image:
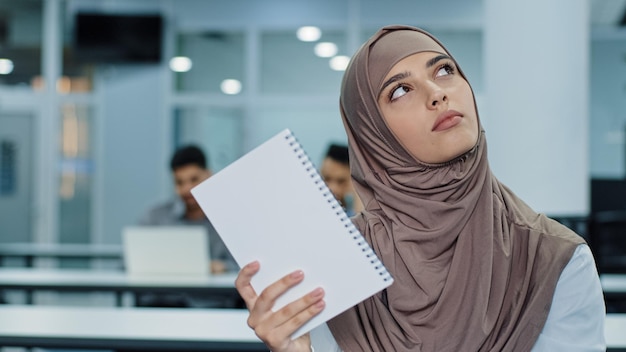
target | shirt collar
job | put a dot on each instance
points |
(179, 208)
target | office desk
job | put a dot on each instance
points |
(118, 282)
(30, 251)
(158, 329)
(152, 329)
(614, 290)
(615, 332)
(613, 282)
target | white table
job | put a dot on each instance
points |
(153, 329)
(85, 280)
(613, 282)
(615, 331)
(158, 329)
(614, 287)
(30, 251)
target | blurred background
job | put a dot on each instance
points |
(96, 94)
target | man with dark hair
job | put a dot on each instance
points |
(187, 155)
(335, 171)
(189, 167)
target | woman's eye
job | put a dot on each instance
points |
(444, 70)
(398, 92)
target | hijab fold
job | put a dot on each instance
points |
(475, 268)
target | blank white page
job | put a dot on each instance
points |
(272, 206)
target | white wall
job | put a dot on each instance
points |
(130, 156)
(537, 95)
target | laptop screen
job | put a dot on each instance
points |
(166, 250)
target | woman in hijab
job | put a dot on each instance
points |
(475, 269)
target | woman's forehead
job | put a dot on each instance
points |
(422, 59)
(394, 46)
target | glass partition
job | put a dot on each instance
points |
(213, 57)
(20, 42)
(217, 130)
(76, 167)
(315, 126)
(292, 66)
(17, 152)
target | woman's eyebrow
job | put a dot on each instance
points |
(434, 60)
(406, 74)
(394, 78)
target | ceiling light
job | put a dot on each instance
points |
(6, 66)
(230, 86)
(325, 49)
(180, 64)
(308, 33)
(339, 63)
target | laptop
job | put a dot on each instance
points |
(166, 250)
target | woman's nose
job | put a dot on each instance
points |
(436, 96)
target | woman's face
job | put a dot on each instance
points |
(429, 107)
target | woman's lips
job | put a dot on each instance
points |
(446, 120)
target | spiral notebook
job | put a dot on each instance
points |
(271, 205)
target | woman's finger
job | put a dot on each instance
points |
(266, 300)
(278, 327)
(242, 283)
(298, 312)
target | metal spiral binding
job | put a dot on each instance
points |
(343, 217)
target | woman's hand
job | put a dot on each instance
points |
(275, 328)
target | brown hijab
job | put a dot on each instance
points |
(475, 268)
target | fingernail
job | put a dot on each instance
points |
(297, 274)
(318, 292)
(320, 304)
